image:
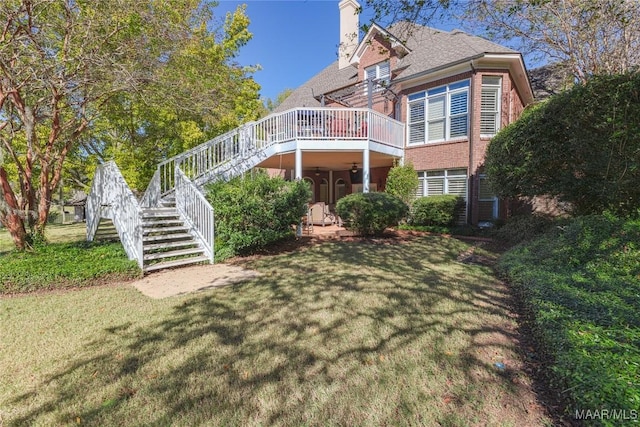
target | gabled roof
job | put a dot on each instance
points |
(428, 49)
(376, 29)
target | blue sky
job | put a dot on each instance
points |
(292, 40)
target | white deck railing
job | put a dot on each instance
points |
(336, 124)
(222, 154)
(109, 190)
(196, 210)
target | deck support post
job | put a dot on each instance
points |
(366, 173)
(298, 165)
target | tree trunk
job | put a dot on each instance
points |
(12, 219)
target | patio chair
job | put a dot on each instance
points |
(319, 214)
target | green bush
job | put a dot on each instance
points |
(255, 211)
(370, 213)
(580, 285)
(402, 182)
(580, 146)
(522, 228)
(440, 210)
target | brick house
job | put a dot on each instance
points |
(404, 93)
(450, 90)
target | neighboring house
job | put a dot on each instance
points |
(453, 91)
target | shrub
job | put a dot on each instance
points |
(580, 146)
(522, 228)
(402, 182)
(370, 213)
(440, 210)
(579, 285)
(64, 265)
(252, 212)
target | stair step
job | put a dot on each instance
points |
(162, 222)
(175, 263)
(167, 230)
(160, 237)
(160, 213)
(169, 245)
(177, 253)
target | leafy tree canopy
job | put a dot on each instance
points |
(86, 80)
(581, 146)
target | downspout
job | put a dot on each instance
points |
(470, 186)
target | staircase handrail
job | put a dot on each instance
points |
(152, 195)
(296, 123)
(110, 190)
(194, 208)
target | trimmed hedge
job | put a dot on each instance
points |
(439, 210)
(255, 211)
(580, 285)
(371, 213)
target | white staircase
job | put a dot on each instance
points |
(173, 223)
(166, 241)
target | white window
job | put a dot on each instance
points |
(379, 73)
(439, 114)
(488, 201)
(490, 105)
(449, 181)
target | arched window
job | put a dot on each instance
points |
(340, 189)
(312, 186)
(324, 191)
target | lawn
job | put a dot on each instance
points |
(55, 234)
(378, 332)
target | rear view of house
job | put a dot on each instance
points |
(406, 93)
(450, 91)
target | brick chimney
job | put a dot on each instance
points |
(349, 30)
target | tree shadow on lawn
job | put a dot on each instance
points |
(338, 333)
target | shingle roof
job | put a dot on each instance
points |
(430, 49)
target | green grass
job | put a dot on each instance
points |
(67, 261)
(581, 285)
(341, 333)
(55, 234)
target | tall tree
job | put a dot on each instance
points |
(64, 63)
(590, 36)
(273, 104)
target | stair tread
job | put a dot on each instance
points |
(162, 222)
(172, 236)
(148, 215)
(175, 253)
(168, 245)
(164, 229)
(175, 263)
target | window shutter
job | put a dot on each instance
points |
(416, 122)
(436, 107)
(384, 73)
(436, 130)
(420, 189)
(458, 187)
(435, 186)
(484, 189)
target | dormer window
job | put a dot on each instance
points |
(380, 74)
